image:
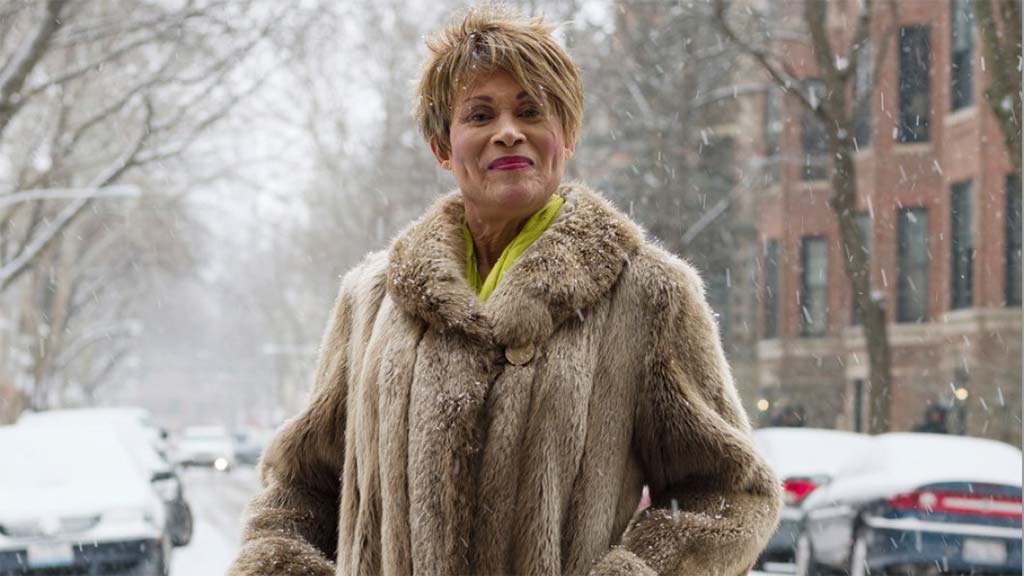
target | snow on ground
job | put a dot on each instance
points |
(217, 501)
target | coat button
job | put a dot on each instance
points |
(520, 355)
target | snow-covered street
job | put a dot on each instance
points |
(217, 501)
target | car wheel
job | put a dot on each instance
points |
(805, 563)
(859, 556)
(181, 533)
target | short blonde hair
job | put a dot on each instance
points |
(488, 39)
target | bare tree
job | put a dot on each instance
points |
(106, 99)
(837, 66)
(1000, 24)
(90, 91)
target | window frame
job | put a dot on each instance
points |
(770, 290)
(811, 292)
(865, 225)
(814, 144)
(961, 73)
(905, 285)
(1012, 228)
(914, 80)
(961, 245)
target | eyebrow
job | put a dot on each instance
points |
(488, 99)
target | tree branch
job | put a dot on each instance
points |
(22, 261)
(25, 60)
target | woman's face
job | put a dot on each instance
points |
(508, 151)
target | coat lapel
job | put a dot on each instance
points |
(572, 265)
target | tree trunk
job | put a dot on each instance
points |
(1001, 39)
(838, 112)
(858, 271)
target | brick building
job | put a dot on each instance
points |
(941, 215)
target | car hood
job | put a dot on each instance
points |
(70, 496)
(67, 472)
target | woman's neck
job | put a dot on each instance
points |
(490, 237)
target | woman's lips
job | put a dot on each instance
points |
(510, 163)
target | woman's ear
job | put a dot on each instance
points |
(443, 158)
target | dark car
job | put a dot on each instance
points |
(804, 459)
(917, 504)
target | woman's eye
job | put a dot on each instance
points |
(477, 117)
(531, 113)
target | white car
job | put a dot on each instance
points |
(917, 504)
(135, 430)
(206, 446)
(804, 459)
(73, 500)
(137, 419)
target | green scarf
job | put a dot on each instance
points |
(532, 230)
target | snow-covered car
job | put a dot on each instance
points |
(206, 446)
(804, 459)
(134, 417)
(135, 429)
(917, 504)
(73, 501)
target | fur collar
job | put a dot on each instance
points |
(568, 269)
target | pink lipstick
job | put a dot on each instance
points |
(510, 163)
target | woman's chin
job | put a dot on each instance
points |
(519, 198)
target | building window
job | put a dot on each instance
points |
(864, 226)
(961, 246)
(771, 289)
(862, 84)
(813, 140)
(915, 89)
(961, 74)
(814, 285)
(772, 132)
(858, 405)
(913, 256)
(1013, 241)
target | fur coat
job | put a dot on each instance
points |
(449, 436)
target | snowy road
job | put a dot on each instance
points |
(217, 504)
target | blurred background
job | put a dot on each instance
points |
(182, 182)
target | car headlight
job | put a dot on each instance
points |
(221, 464)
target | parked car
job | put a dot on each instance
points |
(147, 445)
(804, 459)
(139, 419)
(73, 501)
(917, 504)
(250, 444)
(206, 446)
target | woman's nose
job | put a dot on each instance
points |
(508, 132)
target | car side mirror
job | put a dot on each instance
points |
(162, 476)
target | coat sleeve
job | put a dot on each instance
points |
(714, 502)
(292, 524)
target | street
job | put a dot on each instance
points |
(218, 501)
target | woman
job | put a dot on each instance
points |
(496, 389)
